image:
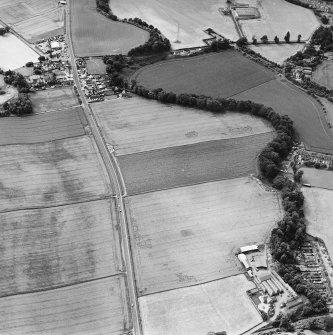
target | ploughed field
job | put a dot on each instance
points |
(230, 75)
(95, 35)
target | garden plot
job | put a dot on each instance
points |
(51, 247)
(192, 164)
(318, 212)
(215, 306)
(323, 74)
(50, 174)
(97, 307)
(52, 99)
(137, 124)
(14, 53)
(38, 128)
(95, 35)
(192, 16)
(277, 18)
(189, 235)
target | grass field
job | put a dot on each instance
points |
(307, 114)
(42, 127)
(14, 53)
(191, 164)
(97, 307)
(189, 235)
(95, 35)
(137, 124)
(50, 174)
(318, 213)
(323, 74)
(278, 17)
(46, 248)
(193, 17)
(277, 53)
(219, 74)
(56, 98)
(318, 178)
(216, 306)
(96, 66)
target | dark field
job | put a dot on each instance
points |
(191, 164)
(42, 127)
(221, 74)
(95, 35)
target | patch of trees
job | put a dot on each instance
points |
(17, 80)
(323, 36)
(103, 6)
(218, 45)
(4, 30)
(299, 3)
(19, 107)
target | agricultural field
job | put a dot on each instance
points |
(61, 246)
(219, 74)
(192, 164)
(189, 235)
(96, 66)
(277, 53)
(318, 178)
(215, 306)
(193, 18)
(42, 127)
(318, 212)
(96, 307)
(50, 174)
(138, 124)
(278, 17)
(323, 74)
(52, 99)
(14, 53)
(95, 35)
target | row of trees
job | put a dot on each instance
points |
(103, 6)
(241, 42)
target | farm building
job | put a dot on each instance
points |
(55, 45)
(260, 262)
(268, 289)
(264, 276)
(242, 258)
(249, 248)
(246, 13)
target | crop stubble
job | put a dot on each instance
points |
(188, 235)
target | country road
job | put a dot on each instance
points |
(117, 182)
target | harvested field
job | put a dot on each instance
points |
(50, 174)
(14, 53)
(189, 235)
(138, 124)
(277, 53)
(318, 178)
(323, 74)
(278, 17)
(42, 127)
(192, 164)
(193, 17)
(307, 114)
(59, 246)
(97, 307)
(219, 74)
(200, 309)
(96, 66)
(95, 35)
(318, 211)
(52, 99)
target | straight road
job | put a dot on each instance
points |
(116, 180)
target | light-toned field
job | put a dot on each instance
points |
(96, 307)
(318, 178)
(42, 127)
(323, 74)
(193, 17)
(51, 247)
(138, 124)
(277, 18)
(95, 35)
(277, 53)
(52, 99)
(318, 211)
(219, 305)
(14, 53)
(50, 174)
(96, 66)
(188, 235)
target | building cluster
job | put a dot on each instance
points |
(311, 158)
(95, 87)
(55, 47)
(301, 72)
(321, 6)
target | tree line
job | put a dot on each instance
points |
(17, 80)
